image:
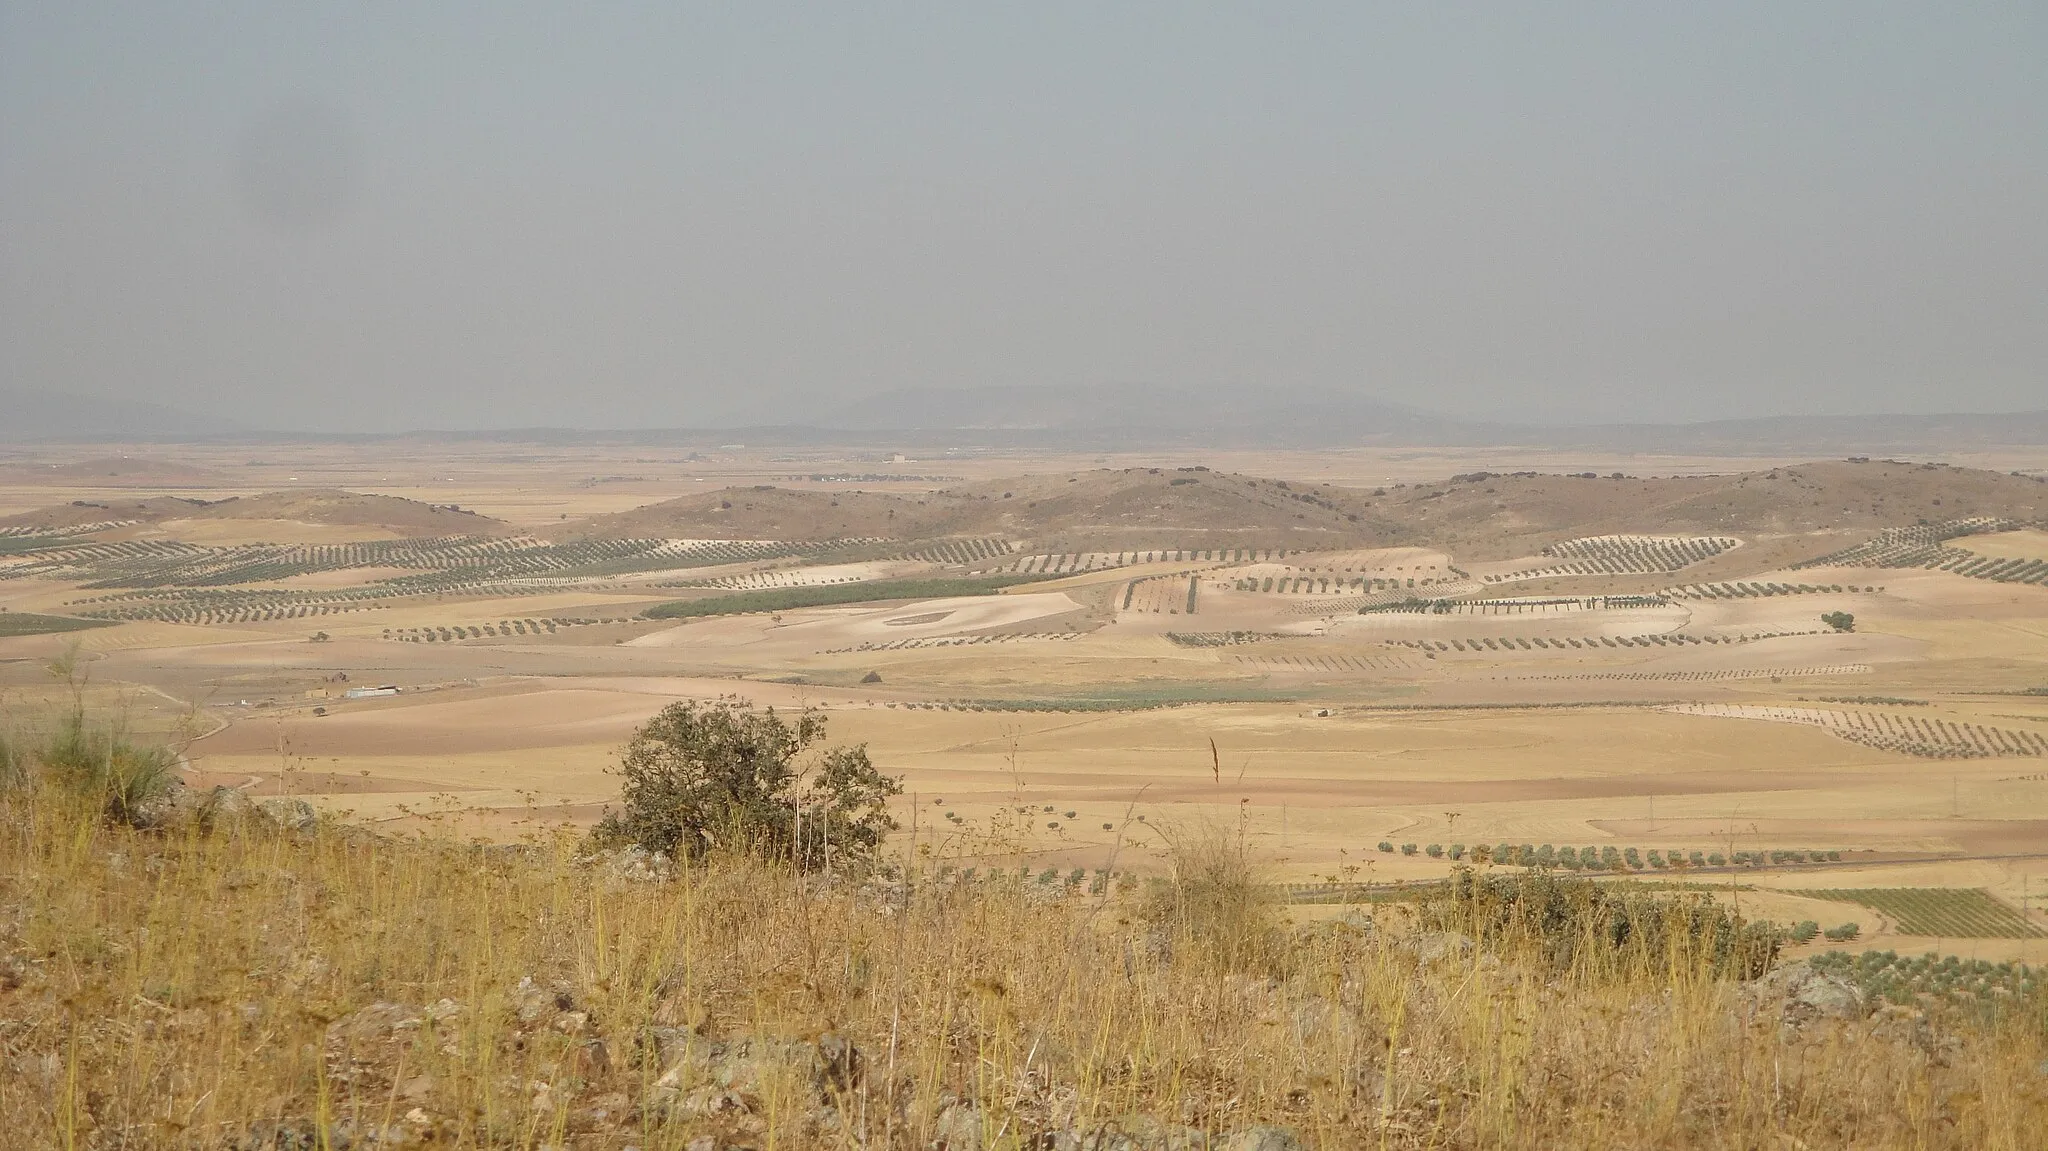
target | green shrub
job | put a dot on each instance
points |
(720, 775)
(13, 764)
(791, 598)
(100, 762)
(1593, 928)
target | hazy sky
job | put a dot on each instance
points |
(377, 216)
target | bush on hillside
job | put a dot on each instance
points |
(1579, 924)
(98, 762)
(712, 776)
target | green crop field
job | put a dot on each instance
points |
(820, 595)
(28, 623)
(1955, 912)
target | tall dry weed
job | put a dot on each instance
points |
(1216, 905)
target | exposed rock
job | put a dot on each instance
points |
(550, 1006)
(958, 1127)
(288, 812)
(1804, 994)
(631, 864)
(364, 1044)
(1130, 1133)
(1260, 1138)
(840, 1064)
(1437, 946)
(1352, 927)
(377, 1022)
(209, 807)
(706, 1077)
(1901, 1024)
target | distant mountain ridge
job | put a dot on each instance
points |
(1325, 417)
(27, 416)
(1090, 418)
(1136, 409)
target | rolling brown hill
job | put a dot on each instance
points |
(1479, 515)
(115, 471)
(311, 505)
(1191, 507)
(1497, 516)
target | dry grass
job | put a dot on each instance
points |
(189, 988)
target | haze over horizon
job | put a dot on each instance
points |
(468, 216)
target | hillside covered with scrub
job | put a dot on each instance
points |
(1485, 515)
(200, 969)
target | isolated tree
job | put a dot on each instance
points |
(1839, 620)
(702, 776)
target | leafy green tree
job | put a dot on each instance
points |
(1839, 620)
(704, 776)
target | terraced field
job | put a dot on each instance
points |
(1890, 731)
(501, 629)
(1823, 671)
(1925, 546)
(13, 623)
(1622, 555)
(1948, 912)
(918, 642)
(1166, 594)
(443, 564)
(1752, 589)
(962, 552)
(1538, 643)
(1072, 563)
(1327, 663)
